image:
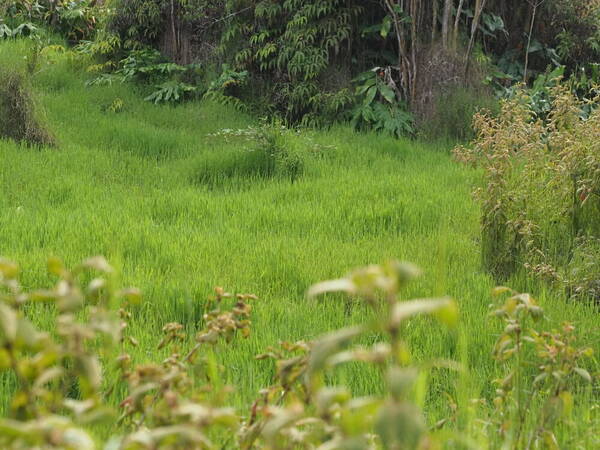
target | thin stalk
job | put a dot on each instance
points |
(535, 6)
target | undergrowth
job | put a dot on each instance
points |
(265, 151)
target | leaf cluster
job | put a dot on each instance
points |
(293, 43)
(378, 106)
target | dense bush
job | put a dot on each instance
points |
(295, 44)
(540, 201)
(379, 106)
(302, 55)
(578, 23)
(74, 19)
(181, 29)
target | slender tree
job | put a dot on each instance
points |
(457, 23)
(479, 6)
(434, 21)
(446, 22)
(535, 4)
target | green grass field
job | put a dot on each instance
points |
(129, 186)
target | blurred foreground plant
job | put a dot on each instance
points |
(301, 410)
(535, 396)
(60, 386)
(58, 374)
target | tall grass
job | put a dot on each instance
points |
(125, 185)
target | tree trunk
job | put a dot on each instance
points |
(434, 21)
(414, 44)
(176, 41)
(446, 22)
(479, 5)
(456, 24)
(403, 58)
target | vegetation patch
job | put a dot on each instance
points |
(259, 152)
(19, 118)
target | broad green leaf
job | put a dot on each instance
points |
(583, 374)
(12, 428)
(5, 361)
(400, 425)
(47, 376)
(328, 396)
(535, 46)
(280, 418)
(499, 290)
(341, 285)
(366, 85)
(329, 344)
(388, 93)
(8, 323)
(550, 440)
(567, 403)
(445, 307)
(400, 381)
(132, 295)
(55, 267)
(98, 263)
(8, 269)
(370, 96)
(386, 26)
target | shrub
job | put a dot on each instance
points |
(578, 22)
(75, 20)
(224, 88)
(19, 116)
(295, 45)
(541, 202)
(378, 104)
(58, 372)
(545, 386)
(171, 83)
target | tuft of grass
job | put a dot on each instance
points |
(19, 117)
